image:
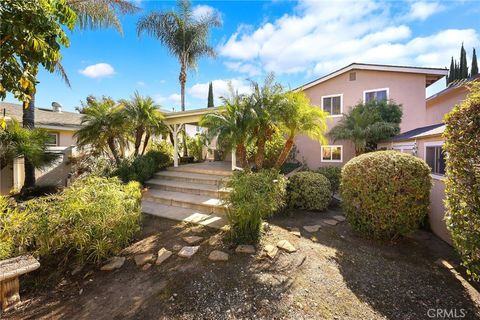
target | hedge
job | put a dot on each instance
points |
(333, 174)
(142, 168)
(309, 191)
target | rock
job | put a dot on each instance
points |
(296, 232)
(77, 269)
(192, 239)
(163, 254)
(339, 218)
(176, 247)
(141, 259)
(188, 251)
(331, 222)
(245, 248)
(271, 251)
(146, 266)
(217, 255)
(114, 263)
(214, 240)
(287, 246)
(313, 228)
(266, 226)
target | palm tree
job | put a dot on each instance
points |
(297, 116)
(144, 115)
(104, 127)
(185, 37)
(367, 124)
(231, 124)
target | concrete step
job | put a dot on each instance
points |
(216, 221)
(190, 177)
(188, 187)
(203, 168)
(186, 200)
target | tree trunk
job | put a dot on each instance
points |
(242, 155)
(138, 139)
(183, 80)
(145, 143)
(285, 152)
(28, 120)
(260, 155)
(113, 149)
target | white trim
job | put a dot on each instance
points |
(57, 139)
(341, 104)
(63, 128)
(438, 143)
(375, 90)
(332, 146)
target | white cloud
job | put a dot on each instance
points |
(203, 10)
(220, 88)
(319, 37)
(98, 70)
(422, 10)
(167, 102)
(141, 83)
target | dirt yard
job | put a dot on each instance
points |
(332, 275)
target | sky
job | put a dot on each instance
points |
(298, 41)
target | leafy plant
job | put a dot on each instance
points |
(462, 190)
(253, 197)
(309, 191)
(385, 194)
(142, 168)
(195, 145)
(333, 174)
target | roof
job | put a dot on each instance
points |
(419, 132)
(44, 117)
(433, 74)
(453, 86)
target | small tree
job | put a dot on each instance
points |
(463, 63)
(210, 96)
(474, 68)
(462, 136)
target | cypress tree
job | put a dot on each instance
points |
(474, 69)
(210, 96)
(450, 72)
(463, 64)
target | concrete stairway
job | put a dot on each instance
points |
(189, 193)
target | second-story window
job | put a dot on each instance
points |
(333, 104)
(377, 94)
(52, 139)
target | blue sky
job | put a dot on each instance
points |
(297, 40)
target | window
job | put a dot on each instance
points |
(435, 158)
(52, 139)
(333, 104)
(377, 94)
(331, 153)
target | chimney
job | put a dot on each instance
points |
(56, 107)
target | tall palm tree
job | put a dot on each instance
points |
(104, 127)
(185, 36)
(145, 116)
(231, 124)
(297, 116)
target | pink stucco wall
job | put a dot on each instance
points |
(437, 107)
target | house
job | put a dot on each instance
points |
(357, 82)
(61, 125)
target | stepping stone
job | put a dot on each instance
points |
(312, 229)
(287, 246)
(331, 222)
(146, 266)
(177, 247)
(339, 218)
(163, 254)
(188, 251)
(141, 259)
(114, 263)
(217, 255)
(192, 239)
(296, 232)
(214, 240)
(271, 251)
(245, 248)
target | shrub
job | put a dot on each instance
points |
(385, 194)
(163, 146)
(195, 147)
(142, 168)
(309, 191)
(253, 197)
(333, 174)
(463, 179)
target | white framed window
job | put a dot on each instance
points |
(376, 94)
(434, 156)
(333, 104)
(52, 139)
(333, 153)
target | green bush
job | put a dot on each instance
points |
(309, 191)
(92, 219)
(142, 168)
(333, 174)
(273, 148)
(195, 147)
(463, 179)
(253, 196)
(385, 194)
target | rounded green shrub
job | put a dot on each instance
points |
(333, 174)
(385, 194)
(309, 191)
(463, 179)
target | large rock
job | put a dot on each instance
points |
(245, 248)
(339, 218)
(331, 222)
(287, 246)
(217, 255)
(271, 251)
(312, 229)
(192, 239)
(188, 251)
(141, 259)
(163, 254)
(114, 263)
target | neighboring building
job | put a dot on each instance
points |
(339, 91)
(61, 125)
